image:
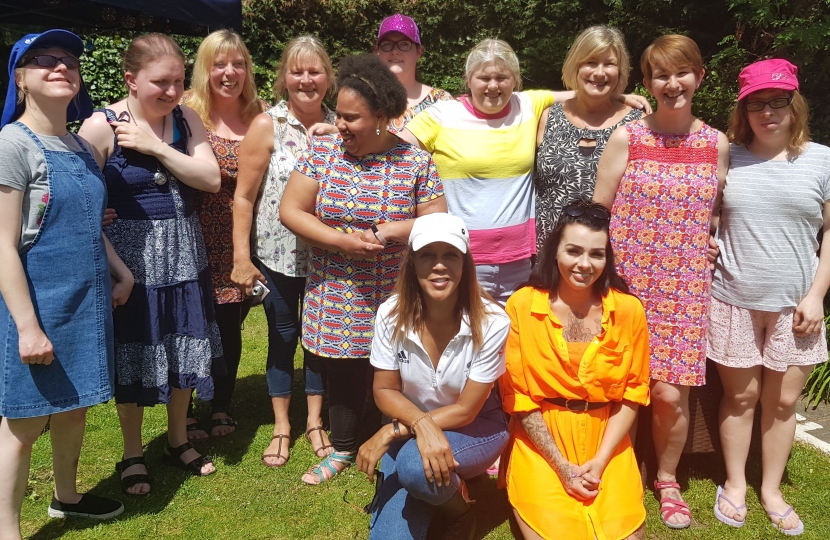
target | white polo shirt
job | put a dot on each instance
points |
(430, 388)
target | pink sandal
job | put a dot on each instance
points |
(679, 506)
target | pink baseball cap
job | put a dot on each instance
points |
(772, 73)
(400, 23)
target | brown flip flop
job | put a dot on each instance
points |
(278, 455)
(322, 446)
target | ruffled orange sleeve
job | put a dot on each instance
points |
(637, 383)
(515, 395)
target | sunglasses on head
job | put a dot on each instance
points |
(403, 46)
(593, 211)
(777, 103)
(47, 60)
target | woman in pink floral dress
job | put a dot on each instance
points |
(662, 177)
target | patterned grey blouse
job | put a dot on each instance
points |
(566, 171)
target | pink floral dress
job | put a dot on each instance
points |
(659, 232)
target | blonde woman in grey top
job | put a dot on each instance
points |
(278, 260)
(766, 326)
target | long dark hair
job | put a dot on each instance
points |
(545, 275)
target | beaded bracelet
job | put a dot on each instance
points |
(412, 425)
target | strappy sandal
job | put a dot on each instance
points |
(218, 422)
(322, 447)
(129, 481)
(194, 466)
(334, 464)
(679, 506)
(777, 518)
(278, 455)
(193, 427)
(723, 518)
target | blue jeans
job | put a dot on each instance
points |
(502, 280)
(283, 306)
(405, 501)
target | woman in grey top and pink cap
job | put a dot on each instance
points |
(399, 47)
(766, 328)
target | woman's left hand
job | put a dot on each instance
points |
(436, 452)
(371, 451)
(591, 473)
(133, 137)
(322, 128)
(808, 316)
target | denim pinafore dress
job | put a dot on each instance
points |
(68, 276)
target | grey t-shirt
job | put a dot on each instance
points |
(23, 167)
(771, 216)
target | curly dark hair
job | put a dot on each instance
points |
(367, 75)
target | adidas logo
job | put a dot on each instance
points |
(402, 357)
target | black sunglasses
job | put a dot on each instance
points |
(581, 209)
(403, 46)
(47, 60)
(777, 103)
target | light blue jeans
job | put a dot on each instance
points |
(502, 280)
(405, 501)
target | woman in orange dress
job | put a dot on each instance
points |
(577, 370)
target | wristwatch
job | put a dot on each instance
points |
(396, 428)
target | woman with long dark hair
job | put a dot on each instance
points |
(577, 371)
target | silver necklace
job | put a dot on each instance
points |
(158, 177)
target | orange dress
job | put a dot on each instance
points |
(612, 367)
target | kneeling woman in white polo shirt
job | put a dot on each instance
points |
(438, 349)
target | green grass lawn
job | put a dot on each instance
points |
(245, 500)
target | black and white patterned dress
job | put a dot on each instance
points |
(566, 172)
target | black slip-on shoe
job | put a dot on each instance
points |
(90, 506)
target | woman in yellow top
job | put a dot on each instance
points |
(577, 369)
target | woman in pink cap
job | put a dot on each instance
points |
(766, 333)
(399, 47)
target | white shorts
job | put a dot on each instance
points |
(744, 338)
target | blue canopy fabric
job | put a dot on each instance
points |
(187, 17)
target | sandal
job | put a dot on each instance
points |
(193, 427)
(723, 518)
(218, 422)
(322, 446)
(679, 506)
(797, 530)
(194, 466)
(334, 464)
(278, 455)
(129, 481)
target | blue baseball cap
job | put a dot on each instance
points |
(81, 105)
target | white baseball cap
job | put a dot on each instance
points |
(439, 227)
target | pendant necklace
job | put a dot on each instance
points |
(158, 177)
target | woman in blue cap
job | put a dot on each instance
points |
(55, 294)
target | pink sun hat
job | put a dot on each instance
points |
(400, 23)
(772, 73)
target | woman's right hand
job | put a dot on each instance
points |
(436, 452)
(575, 485)
(356, 247)
(35, 347)
(712, 252)
(244, 275)
(109, 217)
(371, 451)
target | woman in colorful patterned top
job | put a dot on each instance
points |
(267, 157)
(399, 47)
(353, 198)
(572, 134)
(662, 177)
(223, 94)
